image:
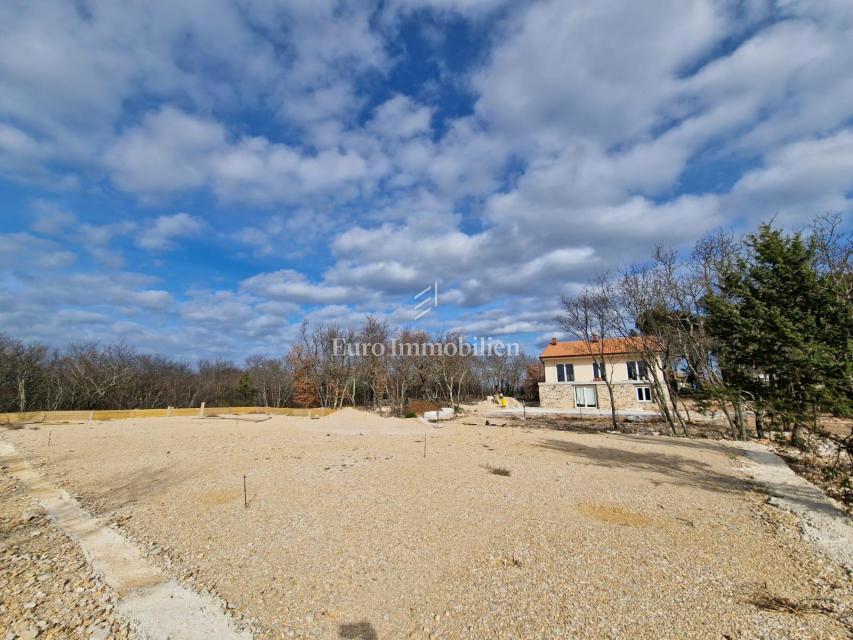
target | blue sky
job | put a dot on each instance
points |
(196, 178)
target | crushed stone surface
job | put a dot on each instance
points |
(351, 532)
(47, 589)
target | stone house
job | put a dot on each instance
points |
(575, 373)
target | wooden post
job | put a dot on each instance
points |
(245, 499)
(425, 439)
(201, 411)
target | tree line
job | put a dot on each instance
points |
(315, 372)
(760, 325)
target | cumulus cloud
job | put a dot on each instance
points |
(347, 175)
(22, 250)
(163, 231)
(67, 73)
(97, 240)
(602, 71)
(51, 219)
(291, 286)
(172, 151)
(168, 151)
(799, 180)
(400, 117)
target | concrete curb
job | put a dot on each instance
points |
(823, 521)
(157, 607)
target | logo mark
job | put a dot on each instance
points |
(429, 302)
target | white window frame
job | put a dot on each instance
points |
(638, 373)
(582, 389)
(644, 394)
(567, 367)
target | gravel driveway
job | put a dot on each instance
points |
(352, 531)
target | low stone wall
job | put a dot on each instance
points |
(124, 414)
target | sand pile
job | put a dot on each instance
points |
(349, 420)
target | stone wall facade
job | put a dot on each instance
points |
(561, 395)
(556, 396)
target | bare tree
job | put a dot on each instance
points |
(834, 250)
(451, 367)
(642, 301)
(272, 378)
(405, 370)
(592, 317)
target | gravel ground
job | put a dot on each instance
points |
(351, 532)
(47, 589)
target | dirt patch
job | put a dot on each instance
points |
(614, 514)
(215, 498)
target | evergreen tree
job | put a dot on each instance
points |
(784, 329)
(244, 391)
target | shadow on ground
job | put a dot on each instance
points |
(357, 631)
(599, 424)
(675, 469)
(127, 488)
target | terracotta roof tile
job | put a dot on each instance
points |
(611, 346)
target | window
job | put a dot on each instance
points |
(598, 371)
(644, 394)
(585, 397)
(637, 370)
(565, 373)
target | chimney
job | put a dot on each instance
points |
(553, 340)
(595, 337)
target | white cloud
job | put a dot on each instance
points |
(172, 151)
(96, 239)
(400, 117)
(161, 233)
(22, 250)
(585, 134)
(218, 308)
(51, 219)
(799, 181)
(599, 70)
(168, 151)
(291, 286)
(68, 72)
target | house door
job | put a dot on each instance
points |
(585, 397)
